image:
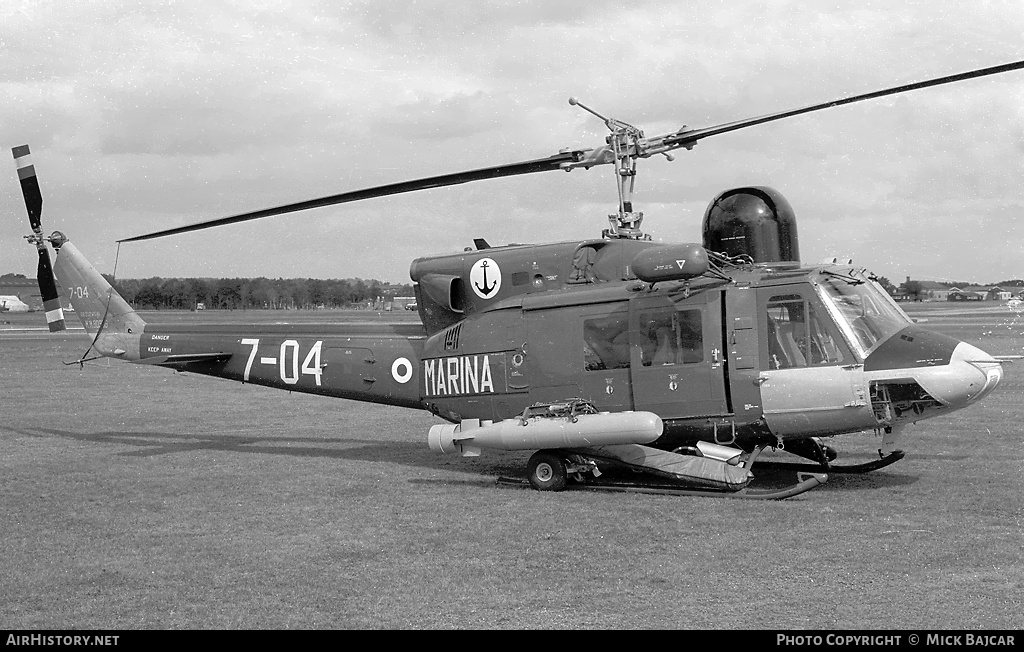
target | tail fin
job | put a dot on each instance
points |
(97, 304)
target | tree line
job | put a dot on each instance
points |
(254, 293)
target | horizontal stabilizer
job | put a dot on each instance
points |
(184, 358)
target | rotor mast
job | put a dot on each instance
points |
(623, 149)
(625, 145)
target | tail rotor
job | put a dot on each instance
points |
(34, 205)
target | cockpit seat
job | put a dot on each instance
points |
(789, 344)
(666, 351)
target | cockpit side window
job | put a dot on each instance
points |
(797, 337)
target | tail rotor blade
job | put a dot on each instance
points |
(29, 186)
(34, 206)
(48, 289)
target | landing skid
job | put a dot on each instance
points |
(866, 467)
(807, 481)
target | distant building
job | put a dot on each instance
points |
(930, 291)
(969, 293)
(401, 303)
(979, 293)
(26, 289)
(936, 291)
(394, 297)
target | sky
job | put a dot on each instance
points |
(148, 115)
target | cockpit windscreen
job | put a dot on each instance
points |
(863, 310)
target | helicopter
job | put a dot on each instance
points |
(678, 362)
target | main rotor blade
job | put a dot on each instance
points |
(686, 138)
(524, 167)
(567, 159)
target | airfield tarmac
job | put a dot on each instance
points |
(141, 498)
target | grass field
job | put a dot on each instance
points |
(139, 498)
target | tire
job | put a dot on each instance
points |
(546, 471)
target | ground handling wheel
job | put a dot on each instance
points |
(546, 471)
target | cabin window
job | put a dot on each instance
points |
(668, 336)
(583, 265)
(606, 342)
(797, 337)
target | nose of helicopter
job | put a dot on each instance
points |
(970, 375)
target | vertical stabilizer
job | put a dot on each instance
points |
(97, 304)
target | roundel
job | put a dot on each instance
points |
(401, 370)
(485, 278)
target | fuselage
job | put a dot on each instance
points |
(750, 352)
(783, 353)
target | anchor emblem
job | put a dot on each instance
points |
(485, 278)
(484, 288)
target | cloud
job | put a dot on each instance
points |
(146, 115)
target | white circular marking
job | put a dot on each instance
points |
(400, 374)
(485, 278)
